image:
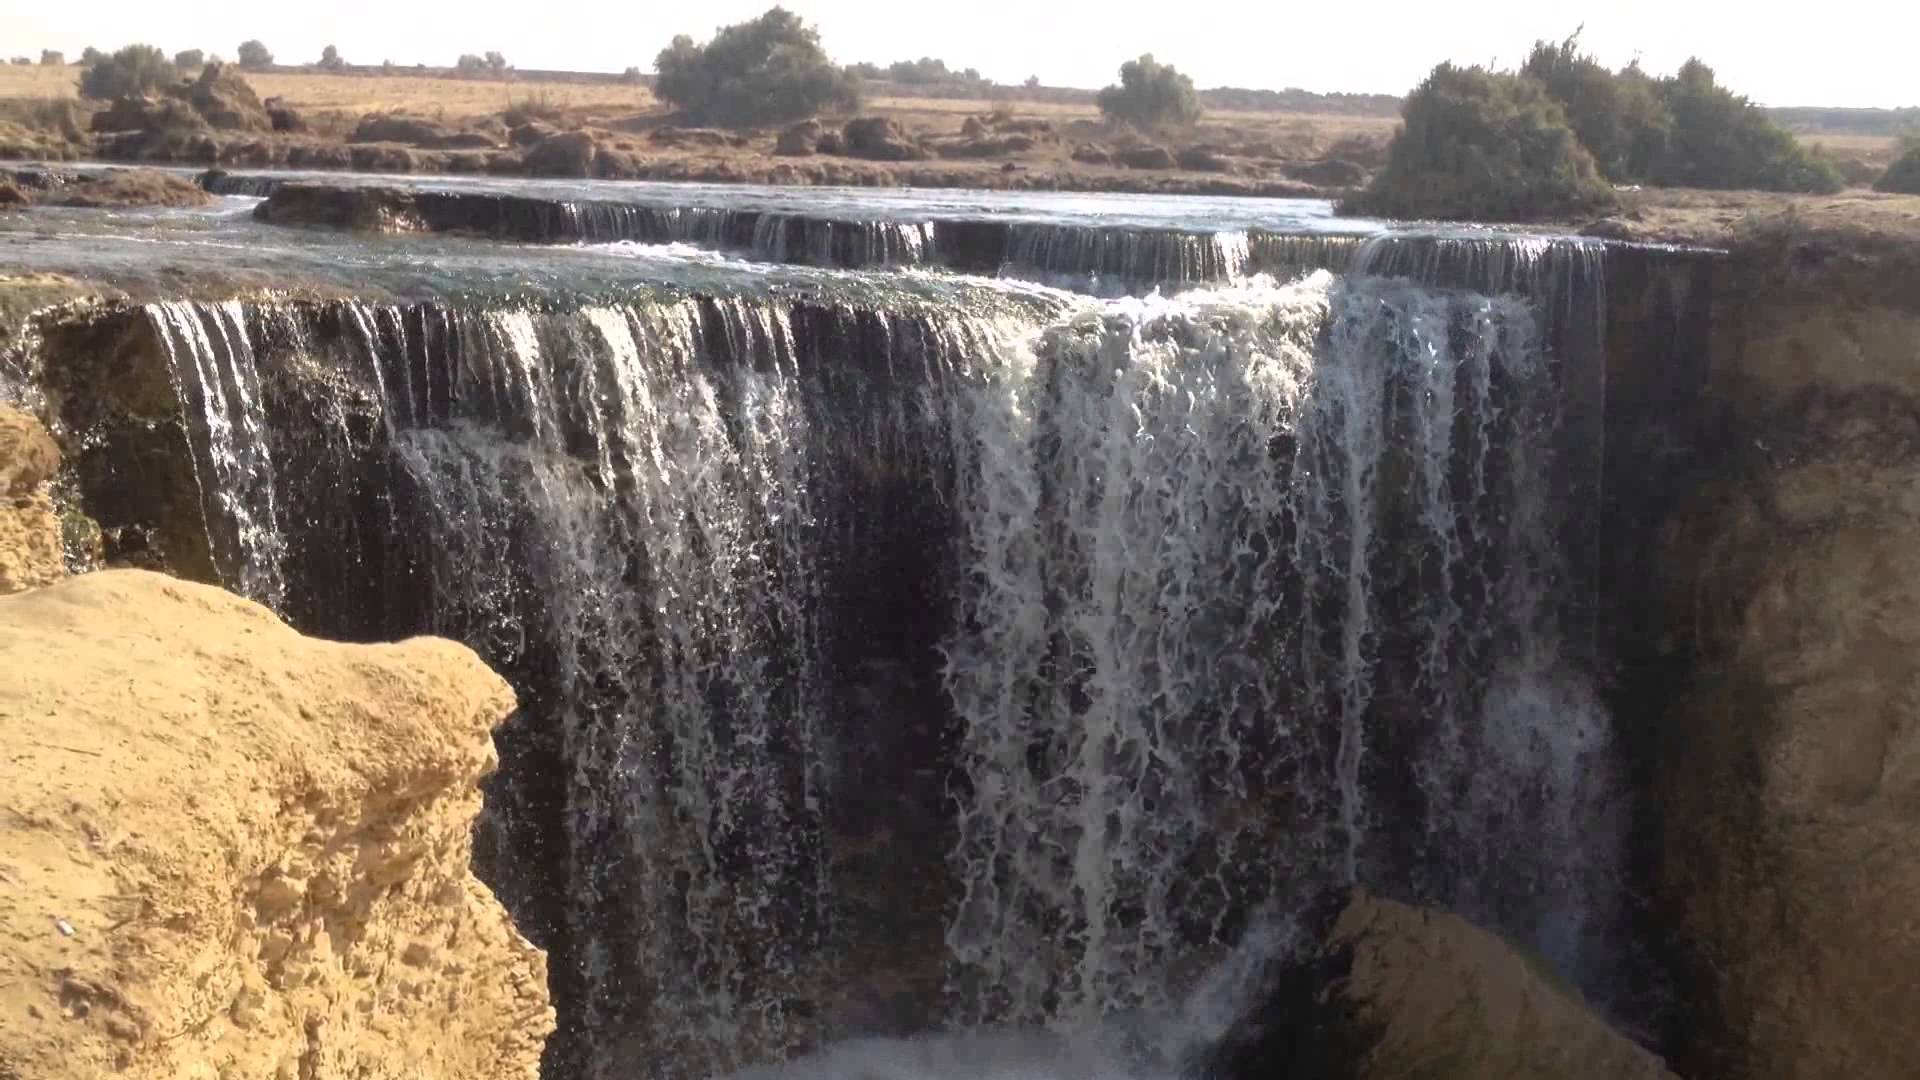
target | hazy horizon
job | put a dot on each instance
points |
(1774, 60)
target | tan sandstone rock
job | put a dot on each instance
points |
(1453, 1002)
(227, 850)
(30, 554)
(1386, 991)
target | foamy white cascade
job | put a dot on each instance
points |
(1253, 590)
(1229, 557)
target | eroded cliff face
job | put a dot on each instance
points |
(30, 549)
(232, 851)
(1787, 784)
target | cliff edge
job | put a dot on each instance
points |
(227, 850)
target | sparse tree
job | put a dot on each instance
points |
(769, 70)
(52, 58)
(189, 58)
(23, 61)
(129, 72)
(631, 76)
(1485, 146)
(497, 64)
(254, 55)
(1722, 140)
(1032, 83)
(1151, 94)
(471, 65)
(330, 60)
(91, 55)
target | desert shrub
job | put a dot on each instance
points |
(1484, 145)
(129, 72)
(1722, 140)
(1903, 176)
(769, 70)
(254, 55)
(1620, 118)
(52, 58)
(1150, 94)
(330, 60)
(189, 58)
(491, 66)
(540, 105)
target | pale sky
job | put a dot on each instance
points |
(1779, 54)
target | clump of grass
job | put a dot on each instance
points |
(538, 104)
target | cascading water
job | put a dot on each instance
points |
(897, 662)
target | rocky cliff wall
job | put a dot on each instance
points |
(1784, 637)
(227, 850)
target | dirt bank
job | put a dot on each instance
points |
(229, 850)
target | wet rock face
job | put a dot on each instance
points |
(250, 857)
(30, 549)
(1379, 990)
(1789, 789)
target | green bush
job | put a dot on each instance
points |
(769, 70)
(1722, 140)
(131, 72)
(1484, 145)
(1903, 176)
(1620, 118)
(1150, 95)
(254, 55)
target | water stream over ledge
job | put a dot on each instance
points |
(905, 650)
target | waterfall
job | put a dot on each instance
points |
(892, 660)
(211, 358)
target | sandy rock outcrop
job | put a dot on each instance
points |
(1385, 991)
(229, 850)
(30, 554)
(1789, 791)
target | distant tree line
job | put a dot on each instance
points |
(1553, 138)
(925, 71)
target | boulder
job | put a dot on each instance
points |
(1380, 990)
(800, 140)
(397, 128)
(1204, 159)
(1146, 156)
(984, 146)
(686, 138)
(877, 138)
(358, 208)
(283, 117)
(380, 158)
(569, 153)
(231, 850)
(119, 188)
(1089, 154)
(226, 101)
(530, 133)
(11, 197)
(30, 549)
(831, 142)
